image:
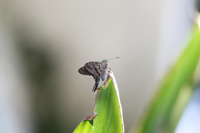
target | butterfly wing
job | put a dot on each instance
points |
(95, 85)
(84, 71)
(93, 69)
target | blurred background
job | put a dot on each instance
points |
(44, 43)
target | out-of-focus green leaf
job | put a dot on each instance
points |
(108, 117)
(177, 85)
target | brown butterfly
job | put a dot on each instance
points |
(95, 69)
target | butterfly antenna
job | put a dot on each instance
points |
(112, 58)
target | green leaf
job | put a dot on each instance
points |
(174, 92)
(85, 126)
(107, 115)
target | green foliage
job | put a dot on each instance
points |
(174, 92)
(86, 126)
(109, 112)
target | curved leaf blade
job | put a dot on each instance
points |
(109, 116)
(157, 119)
